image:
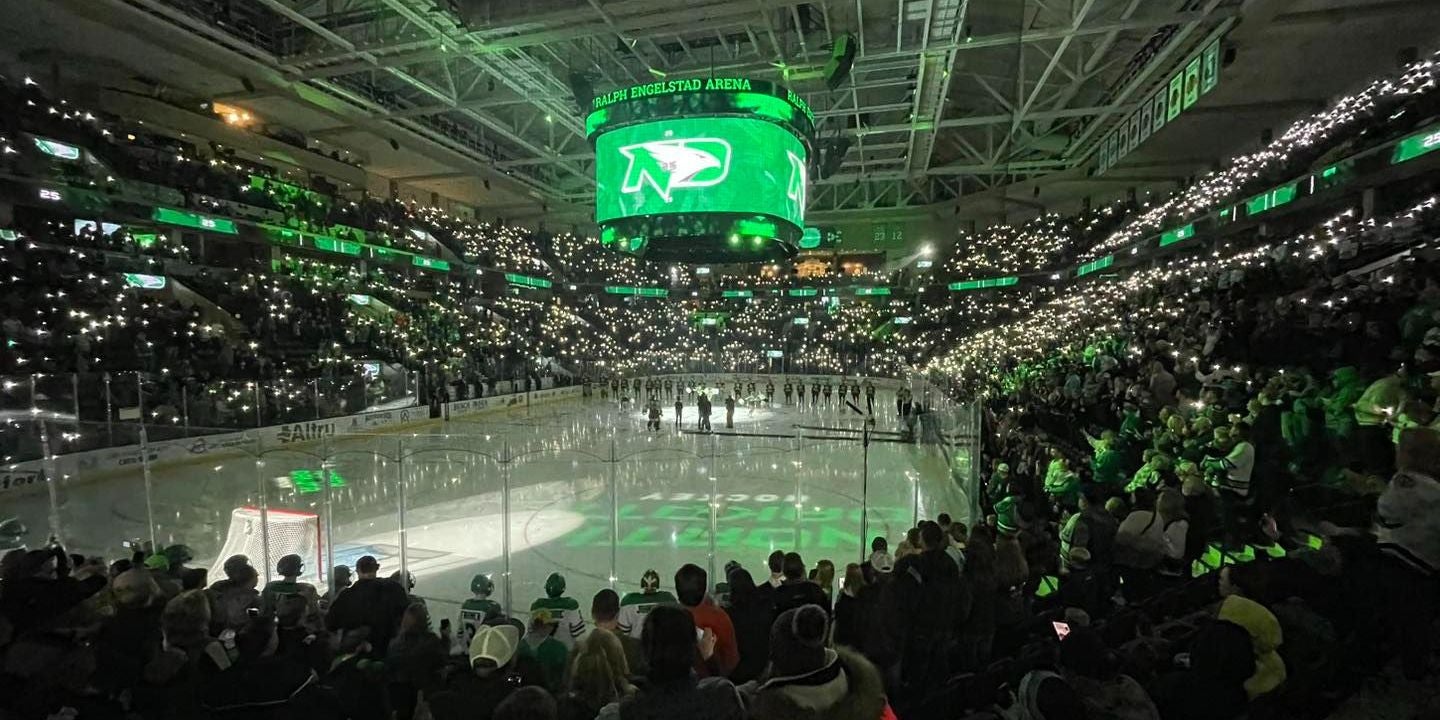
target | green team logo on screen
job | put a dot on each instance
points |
(701, 165)
(671, 164)
(795, 186)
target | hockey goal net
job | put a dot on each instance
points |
(283, 532)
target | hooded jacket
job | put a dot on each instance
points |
(847, 687)
(1265, 638)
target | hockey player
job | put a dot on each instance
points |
(789, 390)
(730, 412)
(815, 393)
(703, 405)
(634, 606)
(653, 414)
(769, 391)
(679, 409)
(479, 610)
(290, 601)
(828, 390)
(669, 388)
(572, 626)
(869, 397)
(855, 392)
(750, 389)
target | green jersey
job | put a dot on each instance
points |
(634, 606)
(477, 612)
(567, 611)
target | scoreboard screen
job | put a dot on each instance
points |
(701, 170)
(727, 165)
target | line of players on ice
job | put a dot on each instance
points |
(821, 395)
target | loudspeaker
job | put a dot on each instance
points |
(842, 56)
(830, 154)
(582, 88)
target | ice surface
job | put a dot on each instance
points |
(578, 475)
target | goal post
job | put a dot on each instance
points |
(282, 532)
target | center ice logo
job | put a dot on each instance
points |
(670, 164)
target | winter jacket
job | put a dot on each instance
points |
(927, 595)
(373, 603)
(1144, 541)
(31, 602)
(468, 696)
(851, 614)
(847, 687)
(691, 699)
(229, 604)
(267, 689)
(751, 619)
(794, 593)
(1265, 638)
(1120, 698)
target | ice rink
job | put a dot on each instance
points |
(591, 493)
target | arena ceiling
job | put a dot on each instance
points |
(948, 100)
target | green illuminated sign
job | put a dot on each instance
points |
(526, 281)
(737, 293)
(145, 282)
(872, 291)
(170, 216)
(429, 263)
(811, 239)
(802, 292)
(982, 284)
(329, 244)
(307, 482)
(802, 321)
(9, 235)
(1271, 199)
(637, 291)
(1170, 237)
(358, 299)
(774, 353)
(57, 149)
(755, 94)
(1095, 265)
(733, 165)
(1416, 145)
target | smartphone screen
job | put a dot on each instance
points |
(1061, 629)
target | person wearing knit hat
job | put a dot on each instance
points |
(809, 680)
(1007, 515)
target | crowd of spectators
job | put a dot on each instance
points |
(1182, 465)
